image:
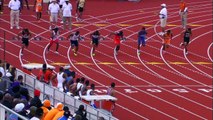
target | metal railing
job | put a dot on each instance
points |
(5, 112)
(55, 96)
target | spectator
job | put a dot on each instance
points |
(22, 4)
(73, 87)
(183, 13)
(19, 108)
(46, 108)
(65, 116)
(51, 114)
(3, 82)
(60, 78)
(61, 113)
(38, 5)
(101, 118)
(45, 74)
(91, 92)
(163, 17)
(1, 6)
(69, 79)
(24, 94)
(77, 117)
(15, 88)
(85, 87)
(13, 74)
(2, 71)
(32, 112)
(20, 80)
(14, 6)
(36, 101)
(111, 90)
(79, 86)
(82, 112)
(38, 114)
(1, 96)
(53, 10)
(67, 14)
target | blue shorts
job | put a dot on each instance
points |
(141, 40)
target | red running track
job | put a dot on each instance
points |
(150, 86)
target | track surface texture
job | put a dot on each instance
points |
(153, 85)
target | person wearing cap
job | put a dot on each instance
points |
(36, 101)
(163, 17)
(53, 11)
(46, 108)
(51, 114)
(61, 113)
(14, 6)
(183, 13)
(19, 108)
(67, 14)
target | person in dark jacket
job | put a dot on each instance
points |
(82, 112)
(36, 101)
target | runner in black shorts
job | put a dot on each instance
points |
(186, 38)
(25, 36)
(74, 41)
(95, 40)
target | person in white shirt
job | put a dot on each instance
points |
(14, 6)
(91, 92)
(61, 2)
(163, 17)
(54, 11)
(67, 10)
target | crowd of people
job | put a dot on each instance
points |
(17, 98)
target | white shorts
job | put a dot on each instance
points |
(163, 22)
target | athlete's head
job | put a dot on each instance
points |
(143, 28)
(168, 31)
(96, 32)
(120, 33)
(55, 30)
(77, 33)
(189, 29)
(113, 85)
